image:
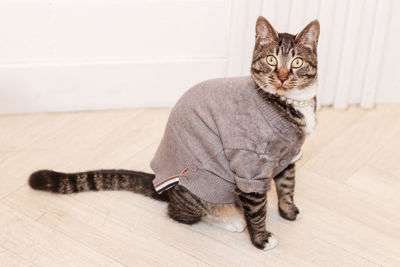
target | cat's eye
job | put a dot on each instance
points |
(271, 60)
(297, 62)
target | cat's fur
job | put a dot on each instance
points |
(250, 208)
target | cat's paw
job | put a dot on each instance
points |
(290, 212)
(236, 225)
(265, 241)
(271, 242)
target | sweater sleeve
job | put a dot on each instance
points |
(253, 172)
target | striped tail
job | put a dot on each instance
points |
(67, 183)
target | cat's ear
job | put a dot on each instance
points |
(264, 30)
(309, 35)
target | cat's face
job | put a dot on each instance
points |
(284, 62)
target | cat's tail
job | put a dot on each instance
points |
(67, 183)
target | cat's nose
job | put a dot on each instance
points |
(282, 78)
(283, 75)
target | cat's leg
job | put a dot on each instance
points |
(184, 207)
(227, 217)
(254, 207)
(284, 183)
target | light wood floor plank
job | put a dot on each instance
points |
(8, 258)
(343, 215)
(387, 158)
(330, 124)
(377, 183)
(349, 151)
(43, 246)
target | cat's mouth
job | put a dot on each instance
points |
(282, 88)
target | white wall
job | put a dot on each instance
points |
(78, 54)
(60, 55)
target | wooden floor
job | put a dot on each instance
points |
(348, 185)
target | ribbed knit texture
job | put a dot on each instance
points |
(227, 135)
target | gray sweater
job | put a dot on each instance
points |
(222, 134)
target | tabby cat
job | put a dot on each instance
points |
(284, 67)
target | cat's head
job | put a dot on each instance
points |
(284, 63)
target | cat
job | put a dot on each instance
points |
(284, 77)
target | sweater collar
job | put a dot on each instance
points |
(278, 113)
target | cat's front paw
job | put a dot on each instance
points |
(290, 212)
(271, 242)
(264, 240)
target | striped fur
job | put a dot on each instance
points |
(282, 78)
(284, 183)
(291, 114)
(67, 183)
(185, 207)
(254, 206)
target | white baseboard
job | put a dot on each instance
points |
(53, 87)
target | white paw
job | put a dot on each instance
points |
(236, 225)
(272, 242)
(300, 214)
(233, 224)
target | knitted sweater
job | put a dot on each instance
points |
(221, 134)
